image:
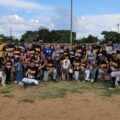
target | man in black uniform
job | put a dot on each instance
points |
(115, 69)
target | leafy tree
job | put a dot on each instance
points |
(29, 36)
(111, 35)
(43, 34)
(88, 39)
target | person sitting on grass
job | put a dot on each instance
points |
(31, 75)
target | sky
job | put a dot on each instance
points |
(89, 16)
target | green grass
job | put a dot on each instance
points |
(26, 101)
(8, 96)
(50, 90)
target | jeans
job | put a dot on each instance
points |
(18, 75)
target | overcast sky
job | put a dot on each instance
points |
(90, 16)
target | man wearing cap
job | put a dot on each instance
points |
(76, 66)
(50, 70)
(103, 66)
(31, 75)
(109, 48)
(115, 69)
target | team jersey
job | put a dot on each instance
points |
(109, 49)
(114, 64)
(95, 48)
(76, 65)
(8, 64)
(30, 52)
(17, 53)
(31, 73)
(79, 50)
(66, 52)
(72, 53)
(37, 48)
(9, 50)
(103, 64)
(23, 49)
(50, 64)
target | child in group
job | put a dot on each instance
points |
(66, 65)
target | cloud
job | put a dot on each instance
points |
(82, 25)
(20, 25)
(85, 25)
(23, 4)
(96, 24)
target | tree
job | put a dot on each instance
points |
(43, 34)
(61, 36)
(48, 36)
(29, 36)
(114, 36)
(88, 39)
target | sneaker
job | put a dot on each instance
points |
(92, 81)
(3, 84)
(20, 83)
(111, 88)
(83, 82)
(116, 83)
(16, 82)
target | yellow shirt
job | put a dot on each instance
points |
(1, 50)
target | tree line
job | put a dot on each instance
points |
(56, 36)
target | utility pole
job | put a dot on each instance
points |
(71, 22)
(118, 26)
(10, 32)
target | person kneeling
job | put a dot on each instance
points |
(50, 71)
(31, 74)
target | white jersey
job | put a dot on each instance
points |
(66, 64)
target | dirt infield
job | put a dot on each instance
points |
(74, 106)
(87, 106)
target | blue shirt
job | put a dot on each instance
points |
(47, 51)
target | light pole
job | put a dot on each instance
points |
(71, 22)
(10, 32)
(118, 26)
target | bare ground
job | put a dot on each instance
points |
(74, 106)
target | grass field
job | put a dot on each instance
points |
(64, 100)
(51, 90)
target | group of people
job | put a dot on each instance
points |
(29, 63)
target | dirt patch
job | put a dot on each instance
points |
(86, 106)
